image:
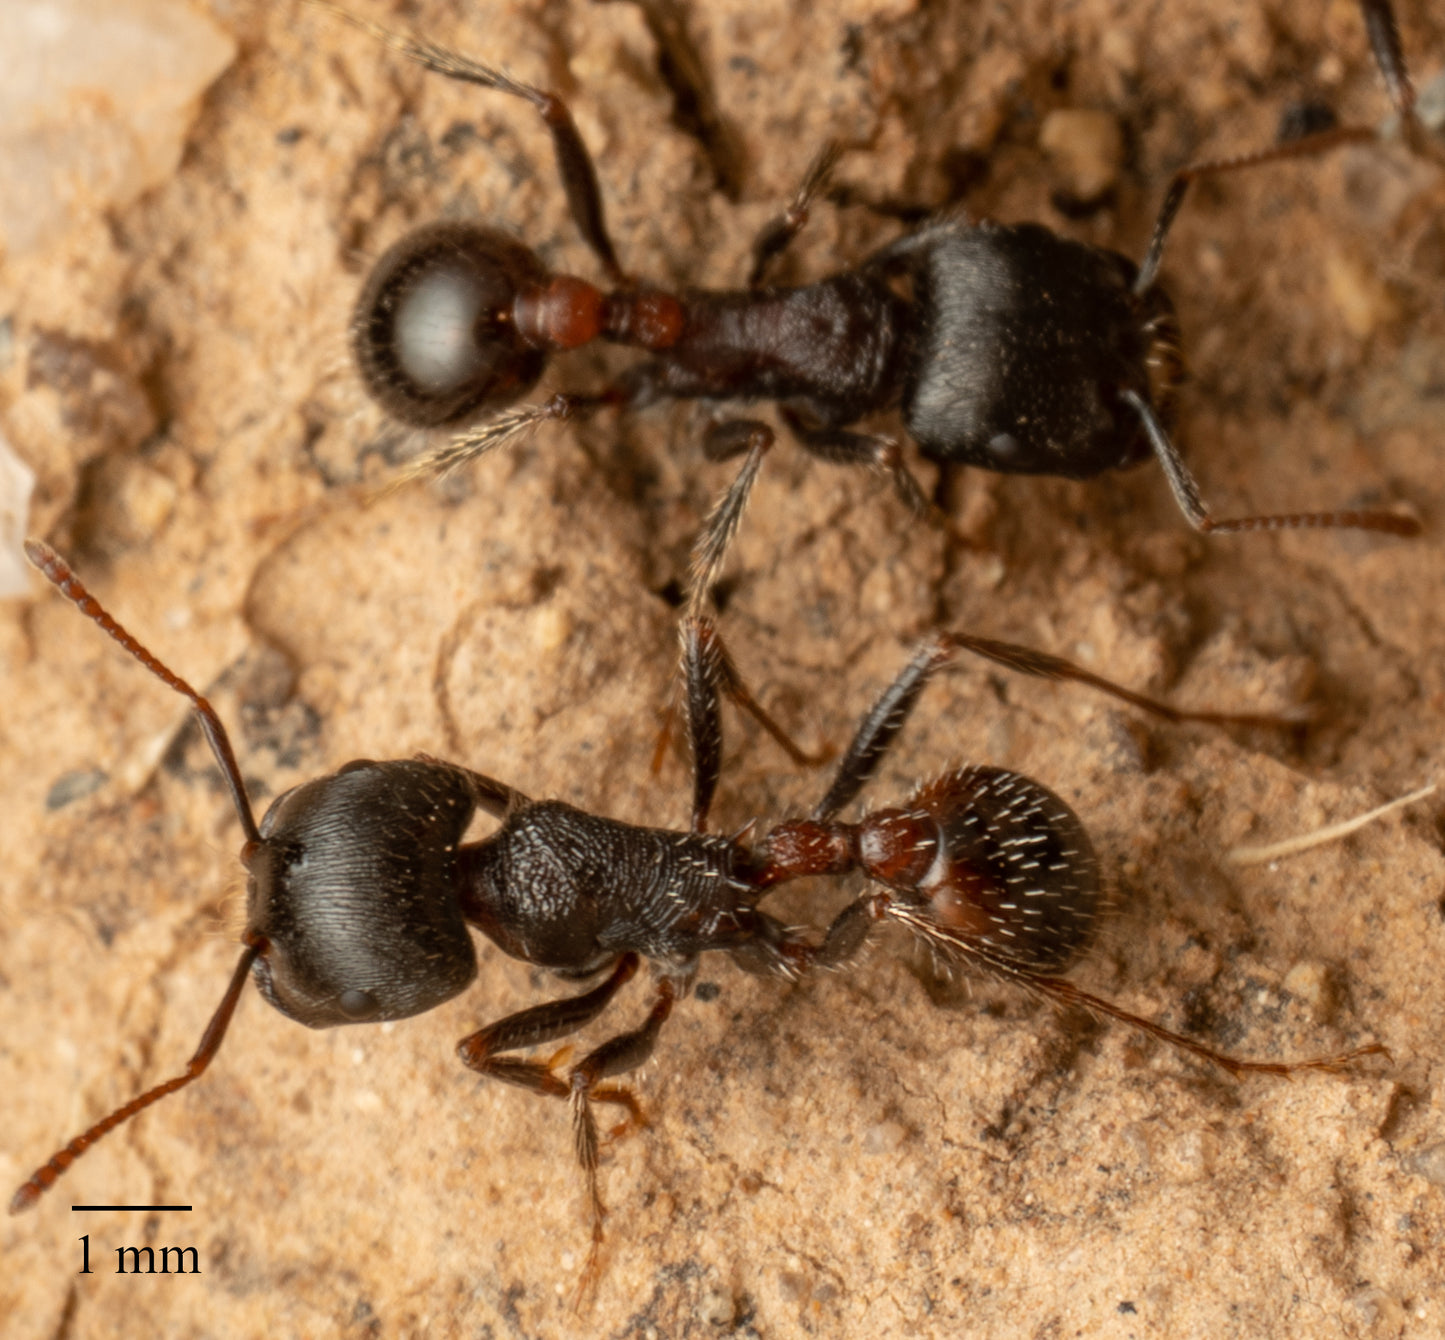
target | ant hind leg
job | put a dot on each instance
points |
(582, 1085)
(707, 671)
(574, 163)
(778, 235)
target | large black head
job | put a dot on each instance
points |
(353, 910)
(353, 888)
(1026, 342)
(433, 332)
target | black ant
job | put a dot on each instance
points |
(361, 891)
(1005, 347)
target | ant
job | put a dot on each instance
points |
(1004, 346)
(360, 890)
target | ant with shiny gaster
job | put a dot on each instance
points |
(1003, 346)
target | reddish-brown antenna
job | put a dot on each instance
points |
(58, 571)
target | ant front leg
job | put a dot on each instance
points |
(582, 1085)
(535, 1026)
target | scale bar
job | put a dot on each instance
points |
(130, 1207)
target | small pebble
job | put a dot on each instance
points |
(716, 1307)
(1428, 1163)
(1087, 148)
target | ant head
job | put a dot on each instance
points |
(352, 908)
(352, 888)
(434, 333)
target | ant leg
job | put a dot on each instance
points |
(1384, 35)
(777, 236)
(781, 950)
(1385, 42)
(880, 726)
(910, 213)
(1186, 494)
(1065, 992)
(581, 1087)
(532, 1027)
(849, 930)
(706, 665)
(1027, 661)
(842, 447)
(702, 656)
(574, 163)
(956, 944)
(708, 552)
(728, 439)
(499, 430)
(639, 387)
(616, 1056)
(736, 436)
(707, 669)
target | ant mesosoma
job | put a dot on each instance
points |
(1004, 346)
(360, 889)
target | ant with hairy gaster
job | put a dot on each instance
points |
(1003, 346)
(361, 892)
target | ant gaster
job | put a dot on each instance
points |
(361, 891)
(1005, 347)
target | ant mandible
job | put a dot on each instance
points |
(360, 890)
(1004, 346)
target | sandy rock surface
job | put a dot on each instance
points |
(875, 1153)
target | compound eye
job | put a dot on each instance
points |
(358, 1006)
(433, 332)
(356, 765)
(1005, 448)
